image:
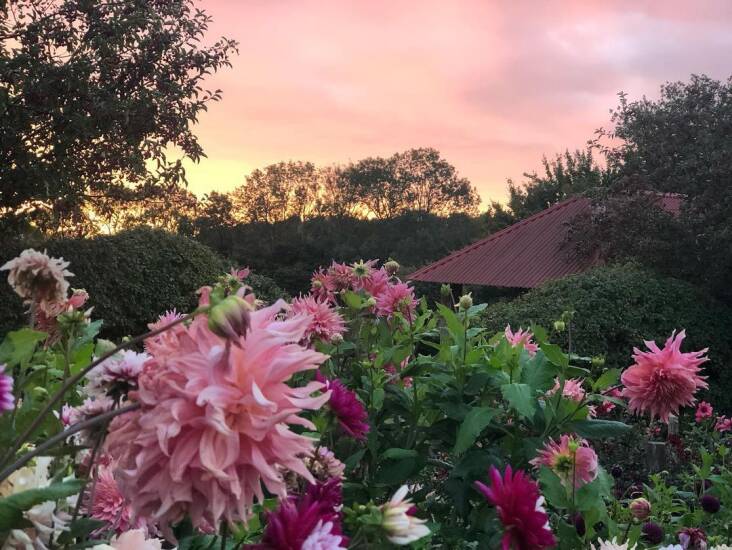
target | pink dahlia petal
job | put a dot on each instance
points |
(572, 389)
(703, 410)
(663, 380)
(213, 429)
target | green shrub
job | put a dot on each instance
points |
(132, 277)
(618, 307)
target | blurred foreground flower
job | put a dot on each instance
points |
(7, 400)
(401, 526)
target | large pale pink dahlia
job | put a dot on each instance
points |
(520, 509)
(325, 321)
(213, 427)
(521, 337)
(36, 277)
(396, 298)
(663, 380)
(571, 458)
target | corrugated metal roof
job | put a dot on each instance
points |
(523, 255)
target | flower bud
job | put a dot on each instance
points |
(336, 338)
(466, 301)
(559, 326)
(598, 361)
(710, 504)
(616, 471)
(370, 302)
(400, 527)
(391, 267)
(579, 524)
(445, 291)
(361, 269)
(103, 347)
(652, 533)
(640, 508)
(230, 317)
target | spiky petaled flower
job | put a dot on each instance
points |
(347, 408)
(109, 504)
(325, 322)
(299, 517)
(167, 340)
(521, 337)
(214, 422)
(520, 509)
(7, 400)
(118, 374)
(342, 276)
(38, 278)
(572, 389)
(376, 282)
(322, 286)
(663, 380)
(723, 424)
(400, 525)
(703, 410)
(692, 538)
(612, 545)
(396, 298)
(571, 458)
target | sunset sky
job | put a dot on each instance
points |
(493, 85)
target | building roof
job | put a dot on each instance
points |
(525, 254)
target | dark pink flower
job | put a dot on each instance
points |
(693, 538)
(347, 408)
(703, 410)
(7, 400)
(341, 276)
(396, 298)
(571, 458)
(520, 509)
(663, 380)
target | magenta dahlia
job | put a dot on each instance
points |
(663, 380)
(347, 408)
(520, 509)
(704, 410)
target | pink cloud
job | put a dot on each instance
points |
(492, 85)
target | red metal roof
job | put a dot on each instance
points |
(523, 255)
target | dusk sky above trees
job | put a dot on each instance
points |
(493, 86)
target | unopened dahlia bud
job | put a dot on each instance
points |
(640, 508)
(598, 361)
(466, 301)
(579, 524)
(559, 326)
(445, 291)
(230, 317)
(402, 528)
(710, 504)
(370, 302)
(336, 338)
(652, 533)
(103, 347)
(391, 267)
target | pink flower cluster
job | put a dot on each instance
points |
(390, 294)
(213, 427)
(663, 380)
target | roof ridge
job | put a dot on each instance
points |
(505, 231)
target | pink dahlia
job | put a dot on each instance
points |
(239, 274)
(520, 509)
(521, 338)
(110, 505)
(324, 321)
(396, 298)
(324, 465)
(165, 341)
(723, 424)
(607, 407)
(36, 277)
(322, 286)
(376, 282)
(118, 374)
(572, 390)
(703, 410)
(663, 380)
(214, 423)
(342, 276)
(302, 518)
(7, 400)
(572, 459)
(347, 408)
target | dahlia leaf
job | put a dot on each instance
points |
(396, 453)
(521, 398)
(12, 507)
(555, 354)
(19, 346)
(475, 422)
(552, 488)
(606, 379)
(599, 429)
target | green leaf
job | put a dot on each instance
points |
(396, 453)
(598, 429)
(475, 422)
(538, 372)
(454, 325)
(606, 379)
(521, 398)
(80, 528)
(555, 354)
(20, 345)
(377, 398)
(12, 507)
(352, 299)
(552, 488)
(352, 461)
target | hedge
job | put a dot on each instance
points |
(618, 307)
(132, 277)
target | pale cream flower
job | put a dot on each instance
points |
(402, 528)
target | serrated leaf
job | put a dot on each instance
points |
(475, 422)
(552, 488)
(352, 300)
(377, 398)
(521, 398)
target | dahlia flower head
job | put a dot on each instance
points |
(116, 374)
(612, 545)
(7, 400)
(376, 282)
(572, 390)
(723, 424)
(347, 408)
(703, 411)
(342, 276)
(308, 521)
(521, 337)
(38, 278)
(396, 298)
(520, 510)
(663, 380)
(109, 504)
(325, 322)
(571, 458)
(322, 286)
(213, 426)
(399, 523)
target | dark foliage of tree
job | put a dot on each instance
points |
(94, 95)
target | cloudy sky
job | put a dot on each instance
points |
(493, 85)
